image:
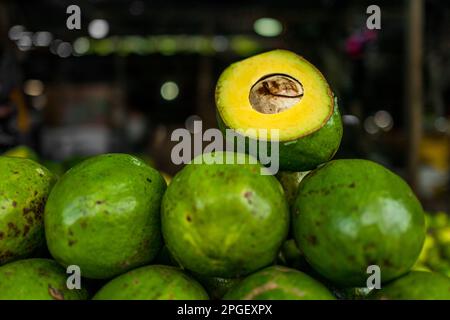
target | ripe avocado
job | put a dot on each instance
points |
(154, 282)
(416, 285)
(279, 283)
(350, 214)
(36, 279)
(224, 220)
(281, 90)
(103, 215)
(24, 188)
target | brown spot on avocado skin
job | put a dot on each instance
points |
(329, 189)
(369, 246)
(99, 202)
(71, 242)
(5, 256)
(29, 219)
(188, 218)
(248, 195)
(26, 229)
(1, 235)
(55, 293)
(13, 230)
(14, 204)
(42, 272)
(387, 263)
(36, 207)
(312, 239)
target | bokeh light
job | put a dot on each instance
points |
(33, 87)
(98, 28)
(169, 90)
(268, 27)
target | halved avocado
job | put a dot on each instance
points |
(281, 90)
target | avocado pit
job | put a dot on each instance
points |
(275, 93)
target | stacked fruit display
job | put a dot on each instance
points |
(224, 227)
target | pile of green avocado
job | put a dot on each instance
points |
(218, 231)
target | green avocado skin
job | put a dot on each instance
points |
(279, 283)
(24, 188)
(416, 285)
(154, 282)
(103, 215)
(290, 181)
(22, 152)
(291, 256)
(36, 279)
(224, 220)
(350, 214)
(308, 152)
(312, 150)
(217, 287)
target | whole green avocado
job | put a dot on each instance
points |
(416, 285)
(350, 214)
(24, 188)
(103, 215)
(36, 279)
(279, 283)
(224, 220)
(154, 282)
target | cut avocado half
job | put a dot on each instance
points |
(281, 90)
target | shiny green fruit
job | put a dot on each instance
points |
(224, 220)
(351, 214)
(279, 283)
(103, 215)
(36, 279)
(152, 283)
(416, 285)
(24, 188)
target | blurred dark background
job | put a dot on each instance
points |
(137, 70)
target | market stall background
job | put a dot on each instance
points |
(137, 70)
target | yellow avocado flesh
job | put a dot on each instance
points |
(303, 118)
